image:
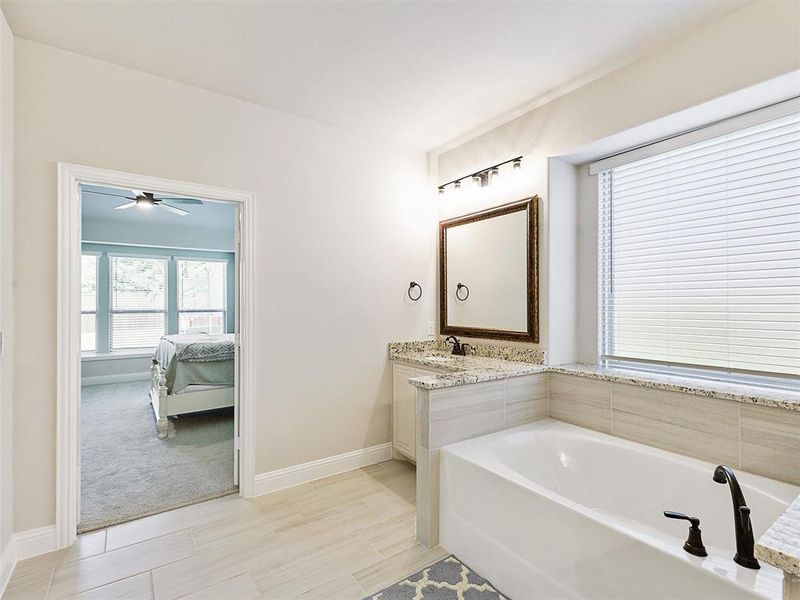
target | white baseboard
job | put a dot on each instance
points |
(317, 469)
(34, 542)
(22, 545)
(117, 378)
(8, 560)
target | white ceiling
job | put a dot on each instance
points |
(419, 74)
(97, 206)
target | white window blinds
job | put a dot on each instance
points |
(700, 254)
(201, 296)
(138, 301)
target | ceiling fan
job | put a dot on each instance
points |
(149, 199)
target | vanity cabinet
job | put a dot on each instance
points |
(404, 409)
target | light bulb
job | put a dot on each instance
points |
(517, 163)
(495, 173)
(441, 190)
(457, 184)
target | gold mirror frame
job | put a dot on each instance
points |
(531, 206)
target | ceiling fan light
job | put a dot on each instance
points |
(145, 202)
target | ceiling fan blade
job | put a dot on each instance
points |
(107, 194)
(180, 200)
(174, 209)
(126, 205)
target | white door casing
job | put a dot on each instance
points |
(68, 388)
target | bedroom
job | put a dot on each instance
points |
(157, 413)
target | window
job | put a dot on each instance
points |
(88, 302)
(138, 301)
(201, 296)
(700, 254)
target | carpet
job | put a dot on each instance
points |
(448, 579)
(128, 473)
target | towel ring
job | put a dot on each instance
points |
(411, 286)
(459, 287)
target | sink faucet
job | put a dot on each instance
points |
(741, 519)
(459, 349)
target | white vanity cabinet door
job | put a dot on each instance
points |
(404, 404)
(404, 409)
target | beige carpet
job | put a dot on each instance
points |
(128, 473)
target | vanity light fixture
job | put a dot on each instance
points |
(485, 176)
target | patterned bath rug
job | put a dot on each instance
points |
(448, 579)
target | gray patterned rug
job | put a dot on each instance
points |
(448, 579)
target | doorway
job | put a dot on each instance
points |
(185, 413)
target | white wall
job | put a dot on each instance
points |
(6, 280)
(115, 369)
(759, 43)
(562, 262)
(586, 266)
(343, 224)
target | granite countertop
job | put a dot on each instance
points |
(463, 370)
(747, 394)
(488, 362)
(780, 544)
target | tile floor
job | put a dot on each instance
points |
(338, 538)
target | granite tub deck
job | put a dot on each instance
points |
(780, 547)
(746, 394)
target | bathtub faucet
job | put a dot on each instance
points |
(741, 519)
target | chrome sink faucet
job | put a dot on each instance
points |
(741, 519)
(459, 349)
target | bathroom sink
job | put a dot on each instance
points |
(439, 358)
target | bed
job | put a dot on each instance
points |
(191, 373)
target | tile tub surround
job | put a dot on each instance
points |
(758, 439)
(447, 415)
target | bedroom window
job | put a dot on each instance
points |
(201, 296)
(138, 301)
(700, 255)
(88, 302)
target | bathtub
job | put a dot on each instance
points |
(551, 510)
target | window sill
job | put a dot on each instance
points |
(788, 399)
(118, 355)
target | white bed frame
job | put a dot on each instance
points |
(169, 405)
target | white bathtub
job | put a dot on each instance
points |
(551, 510)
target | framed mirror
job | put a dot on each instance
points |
(489, 273)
